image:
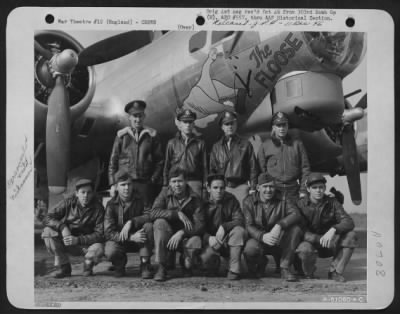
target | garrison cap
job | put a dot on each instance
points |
(227, 116)
(121, 176)
(314, 178)
(186, 115)
(135, 106)
(280, 117)
(83, 182)
(215, 176)
(265, 178)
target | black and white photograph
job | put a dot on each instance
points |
(226, 166)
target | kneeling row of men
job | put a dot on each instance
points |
(202, 231)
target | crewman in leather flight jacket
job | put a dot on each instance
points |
(187, 151)
(272, 227)
(178, 222)
(234, 157)
(285, 159)
(328, 230)
(137, 150)
(225, 234)
(75, 226)
(127, 227)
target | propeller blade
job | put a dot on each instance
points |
(58, 129)
(114, 47)
(47, 54)
(352, 93)
(362, 103)
(351, 165)
(235, 41)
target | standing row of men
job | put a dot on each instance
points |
(138, 150)
(271, 219)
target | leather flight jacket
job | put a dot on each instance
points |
(167, 205)
(319, 218)
(143, 160)
(118, 213)
(261, 217)
(86, 223)
(190, 156)
(238, 163)
(286, 161)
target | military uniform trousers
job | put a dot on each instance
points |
(163, 231)
(341, 250)
(290, 192)
(240, 192)
(255, 250)
(196, 186)
(231, 248)
(56, 247)
(148, 191)
(116, 251)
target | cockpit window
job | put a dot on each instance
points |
(218, 35)
(240, 41)
(197, 41)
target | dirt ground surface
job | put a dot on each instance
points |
(105, 287)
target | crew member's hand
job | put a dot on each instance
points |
(301, 195)
(212, 241)
(138, 237)
(175, 240)
(268, 239)
(275, 233)
(186, 222)
(327, 238)
(70, 240)
(124, 233)
(220, 233)
(65, 232)
(252, 192)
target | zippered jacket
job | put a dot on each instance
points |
(143, 160)
(238, 164)
(86, 223)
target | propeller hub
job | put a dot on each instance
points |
(43, 74)
(64, 62)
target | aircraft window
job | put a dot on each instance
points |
(219, 35)
(246, 41)
(87, 126)
(197, 41)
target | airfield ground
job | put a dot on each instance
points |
(105, 288)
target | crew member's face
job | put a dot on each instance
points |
(267, 191)
(280, 129)
(84, 195)
(216, 190)
(186, 127)
(137, 120)
(124, 189)
(317, 191)
(229, 128)
(178, 185)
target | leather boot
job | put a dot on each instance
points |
(161, 274)
(65, 271)
(171, 259)
(287, 275)
(256, 267)
(342, 259)
(186, 265)
(88, 268)
(146, 271)
(235, 252)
